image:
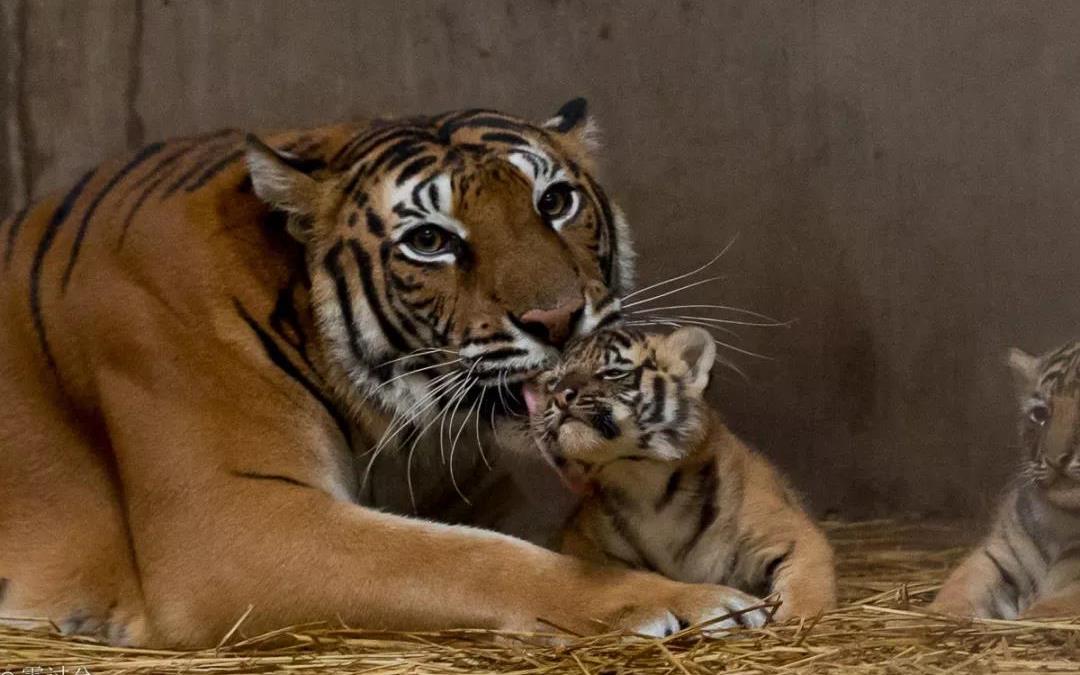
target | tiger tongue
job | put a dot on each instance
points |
(532, 398)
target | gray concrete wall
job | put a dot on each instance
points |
(903, 176)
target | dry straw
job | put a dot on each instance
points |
(888, 571)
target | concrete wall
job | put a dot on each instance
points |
(903, 176)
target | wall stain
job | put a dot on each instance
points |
(135, 128)
(26, 141)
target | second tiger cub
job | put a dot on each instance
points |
(670, 488)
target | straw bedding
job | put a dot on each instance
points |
(888, 570)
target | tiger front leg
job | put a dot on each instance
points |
(977, 588)
(803, 576)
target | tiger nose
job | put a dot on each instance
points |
(552, 326)
(565, 396)
(1060, 462)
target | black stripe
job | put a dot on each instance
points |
(773, 566)
(607, 263)
(372, 139)
(59, 216)
(405, 325)
(76, 246)
(488, 119)
(1025, 517)
(604, 422)
(13, 233)
(656, 415)
(168, 160)
(670, 489)
(494, 337)
(375, 224)
(398, 152)
(197, 165)
(269, 476)
(282, 361)
(1029, 578)
(3, 589)
(1006, 576)
(404, 285)
(219, 166)
(162, 172)
(332, 263)
(405, 212)
(504, 137)
(625, 531)
(350, 186)
(504, 353)
(414, 167)
(708, 482)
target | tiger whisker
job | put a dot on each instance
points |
(417, 354)
(725, 344)
(724, 361)
(387, 437)
(676, 290)
(687, 319)
(412, 451)
(479, 444)
(417, 370)
(456, 401)
(717, 320)
(730, 308)
(453, 446)
(401, 422)
(686, 274)
(404, 418)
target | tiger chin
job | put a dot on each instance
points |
(668, 487)
(1029, 564)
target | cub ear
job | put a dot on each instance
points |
(1025, 371)
(573, 122)
(281, 181)
(695, 349)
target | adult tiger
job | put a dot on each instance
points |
(192, 395)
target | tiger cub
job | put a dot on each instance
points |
(1029, 564)
(668, 487)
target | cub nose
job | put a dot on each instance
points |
(565, 396)
(553, 326)
(1060, 462)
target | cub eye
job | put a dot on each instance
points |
(613, 374)
(429, 240)
(556, 202)
(1039, 414)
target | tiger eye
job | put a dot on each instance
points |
(556, 201)
(428, 239)
(1039, 414)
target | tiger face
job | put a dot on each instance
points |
(470, 241)
(1049, 393)
(622, 394)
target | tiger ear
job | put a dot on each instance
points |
(1025, 371)
(694, 349)
(281, 181)
(574, 123)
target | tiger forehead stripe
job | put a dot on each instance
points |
(427, 200)
(535, 164)
(1060, 365)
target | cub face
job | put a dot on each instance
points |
(1048, 388)
(622, 394)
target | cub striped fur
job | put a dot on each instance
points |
(669, 487)
(1029, 564)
